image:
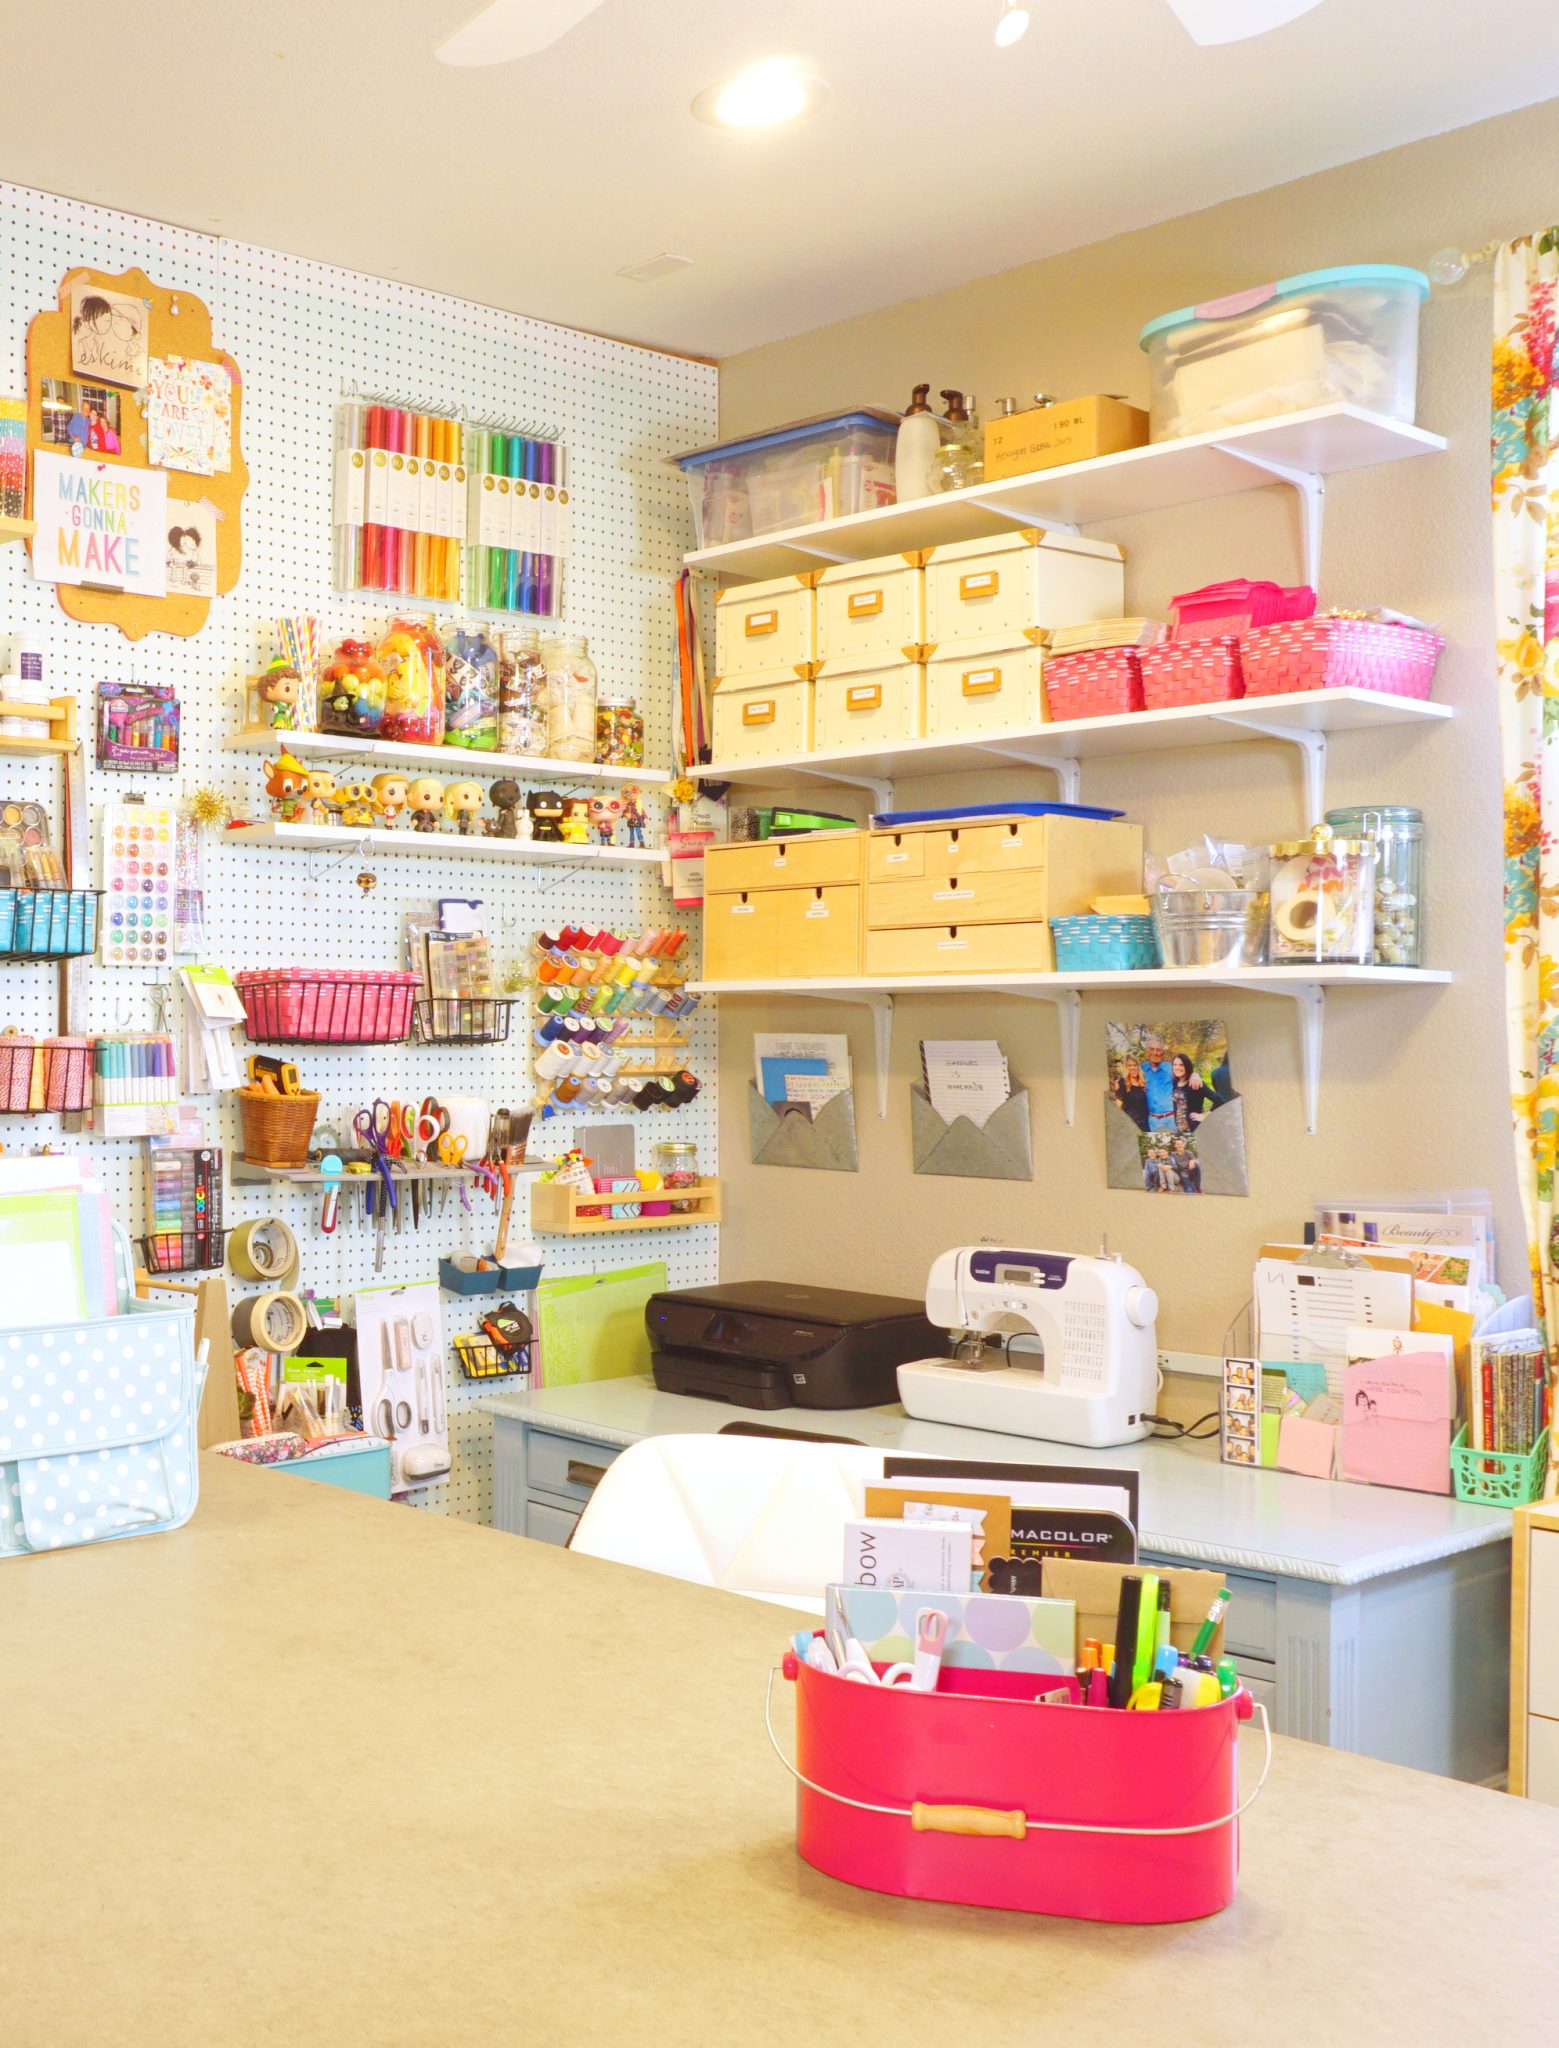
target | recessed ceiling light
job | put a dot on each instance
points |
(1013, 25)
(762, 96)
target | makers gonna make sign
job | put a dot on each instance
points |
(99, 523)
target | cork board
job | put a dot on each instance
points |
(178, 324)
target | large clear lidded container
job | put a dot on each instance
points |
(1322, 900)
(522, 692)
(1398, 833)
(1323, 337)
(822, 468)
(571, 696)
(352, 691)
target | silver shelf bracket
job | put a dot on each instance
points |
(1068, 1006)
(1311, 744)
(881, 1007)
(1309, 1001)
(1312, 502)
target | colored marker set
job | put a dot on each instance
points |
(134, 1070)
(185, 1199)
(518, 521)
(400, 500)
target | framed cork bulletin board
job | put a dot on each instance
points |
(134, 416)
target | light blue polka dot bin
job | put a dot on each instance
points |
(98, 1429)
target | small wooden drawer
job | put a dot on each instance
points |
(569, 1467)
(870, 611)
(783, 934)
(984, 686)
(814, 858)
(895, 856)
(870, 706)
(762, 627)
(968, 896)
(961, 949)
(1021, 581)
(998, 849)
(763, 717)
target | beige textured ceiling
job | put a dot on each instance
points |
(327, 128)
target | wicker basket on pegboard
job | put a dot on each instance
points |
(1096, 683)
(1337, 654)
(277, 1128)
(1203, 671)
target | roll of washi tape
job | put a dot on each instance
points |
(266, 1250)
(269, 1322)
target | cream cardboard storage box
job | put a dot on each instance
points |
(869, 612)
(993, 684)
(1048, 435)
(766, 626)
(870, 706)
(763, 717)
(1018, 583)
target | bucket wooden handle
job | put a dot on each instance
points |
(967, 1820)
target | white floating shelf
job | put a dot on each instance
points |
(1295, 448)
(460, 761)
(344, 838)
(1304, 986)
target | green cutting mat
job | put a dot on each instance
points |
(592, 1326)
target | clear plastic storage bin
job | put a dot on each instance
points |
(813, 469)
(1322, 338)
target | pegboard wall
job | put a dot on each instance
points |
(299, 333)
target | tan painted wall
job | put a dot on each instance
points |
(1414, 1089)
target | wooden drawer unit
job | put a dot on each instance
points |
(969, 896)
(994, 849)
(783, 934)
(765, 626)
(810, 859)
(763, 717)
(1021, 581)
(984, 686)
(869, 706)
(1028, 867)
(961, 949)
(870, 612)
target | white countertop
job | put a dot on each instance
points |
(1193, 1505)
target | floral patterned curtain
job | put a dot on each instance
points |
(1525, 452)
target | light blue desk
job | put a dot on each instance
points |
(1373, 1620)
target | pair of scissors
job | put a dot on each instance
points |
(431, 1123)
(373, 1127)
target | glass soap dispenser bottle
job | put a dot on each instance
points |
(959, 461)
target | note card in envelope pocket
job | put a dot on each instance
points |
(97, 1429)
(1396, 1422)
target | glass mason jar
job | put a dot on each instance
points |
(676, 1161)
(1323, 899)
(1398, 833)
(522, 693)
(470, 690)
(571, 691)
(412, 658)
(619, 730)
(351, 690)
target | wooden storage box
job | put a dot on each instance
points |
(999, 846)
(988, 685)
(1075, 431)
(961, 949)
(875, 706)
(1030, 867)
(558, 1210)
(807, 861)
(783, 934)
(1018, 583)
(966, 897)
(870, 612)
(763, 717)
(761, 627)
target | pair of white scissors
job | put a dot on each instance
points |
(921, 1676)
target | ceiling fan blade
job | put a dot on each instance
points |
(1234, 21)
(513, 28)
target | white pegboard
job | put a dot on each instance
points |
(300, 332)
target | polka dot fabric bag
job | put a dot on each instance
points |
(97, 1429)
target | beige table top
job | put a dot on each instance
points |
(485, 1791)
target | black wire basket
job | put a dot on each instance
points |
(464, 1020)
(481, 1359)
(48, 924)
(183, 1251)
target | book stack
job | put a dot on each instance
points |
(1507, 1408)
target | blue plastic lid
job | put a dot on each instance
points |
(801, 430)
(972, 814)
(1306, 281)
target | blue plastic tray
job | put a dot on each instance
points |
(970, 814)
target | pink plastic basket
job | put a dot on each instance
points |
(1192, 672)
(326, 1006)
(1335, 654)
(1088, 1812)
(1238, 606)
(1093, 684)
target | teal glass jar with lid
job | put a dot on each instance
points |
(1398, 833)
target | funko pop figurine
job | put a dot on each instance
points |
(425, 798)
(357, 803)
(604, 813)
(463, 803)
(280, 689)
(321, 794)
(286, 784)
(390, 796)
(506, 795)
(547, 811)
(575, 827)
(633, 814)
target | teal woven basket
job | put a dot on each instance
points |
(1498, 1479)
(1104, 944)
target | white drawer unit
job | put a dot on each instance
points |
(988, 685)
(868, 612)
(870, 706)
(766, 626)
(1534, 1651)
(1021, 581)
(763, 717)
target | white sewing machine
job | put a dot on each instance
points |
(1094, 1380)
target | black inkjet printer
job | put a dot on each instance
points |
(767, 1344)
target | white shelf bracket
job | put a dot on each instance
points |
(1311, 744)
(1066, 768)
(1309, 1001)
(881, 1008)
(1004, 509)
(1312, 502)
(881, 789)
(1068, 1006)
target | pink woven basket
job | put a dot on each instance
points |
(1094, 684)
(1336, 654)
(1192, 672)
